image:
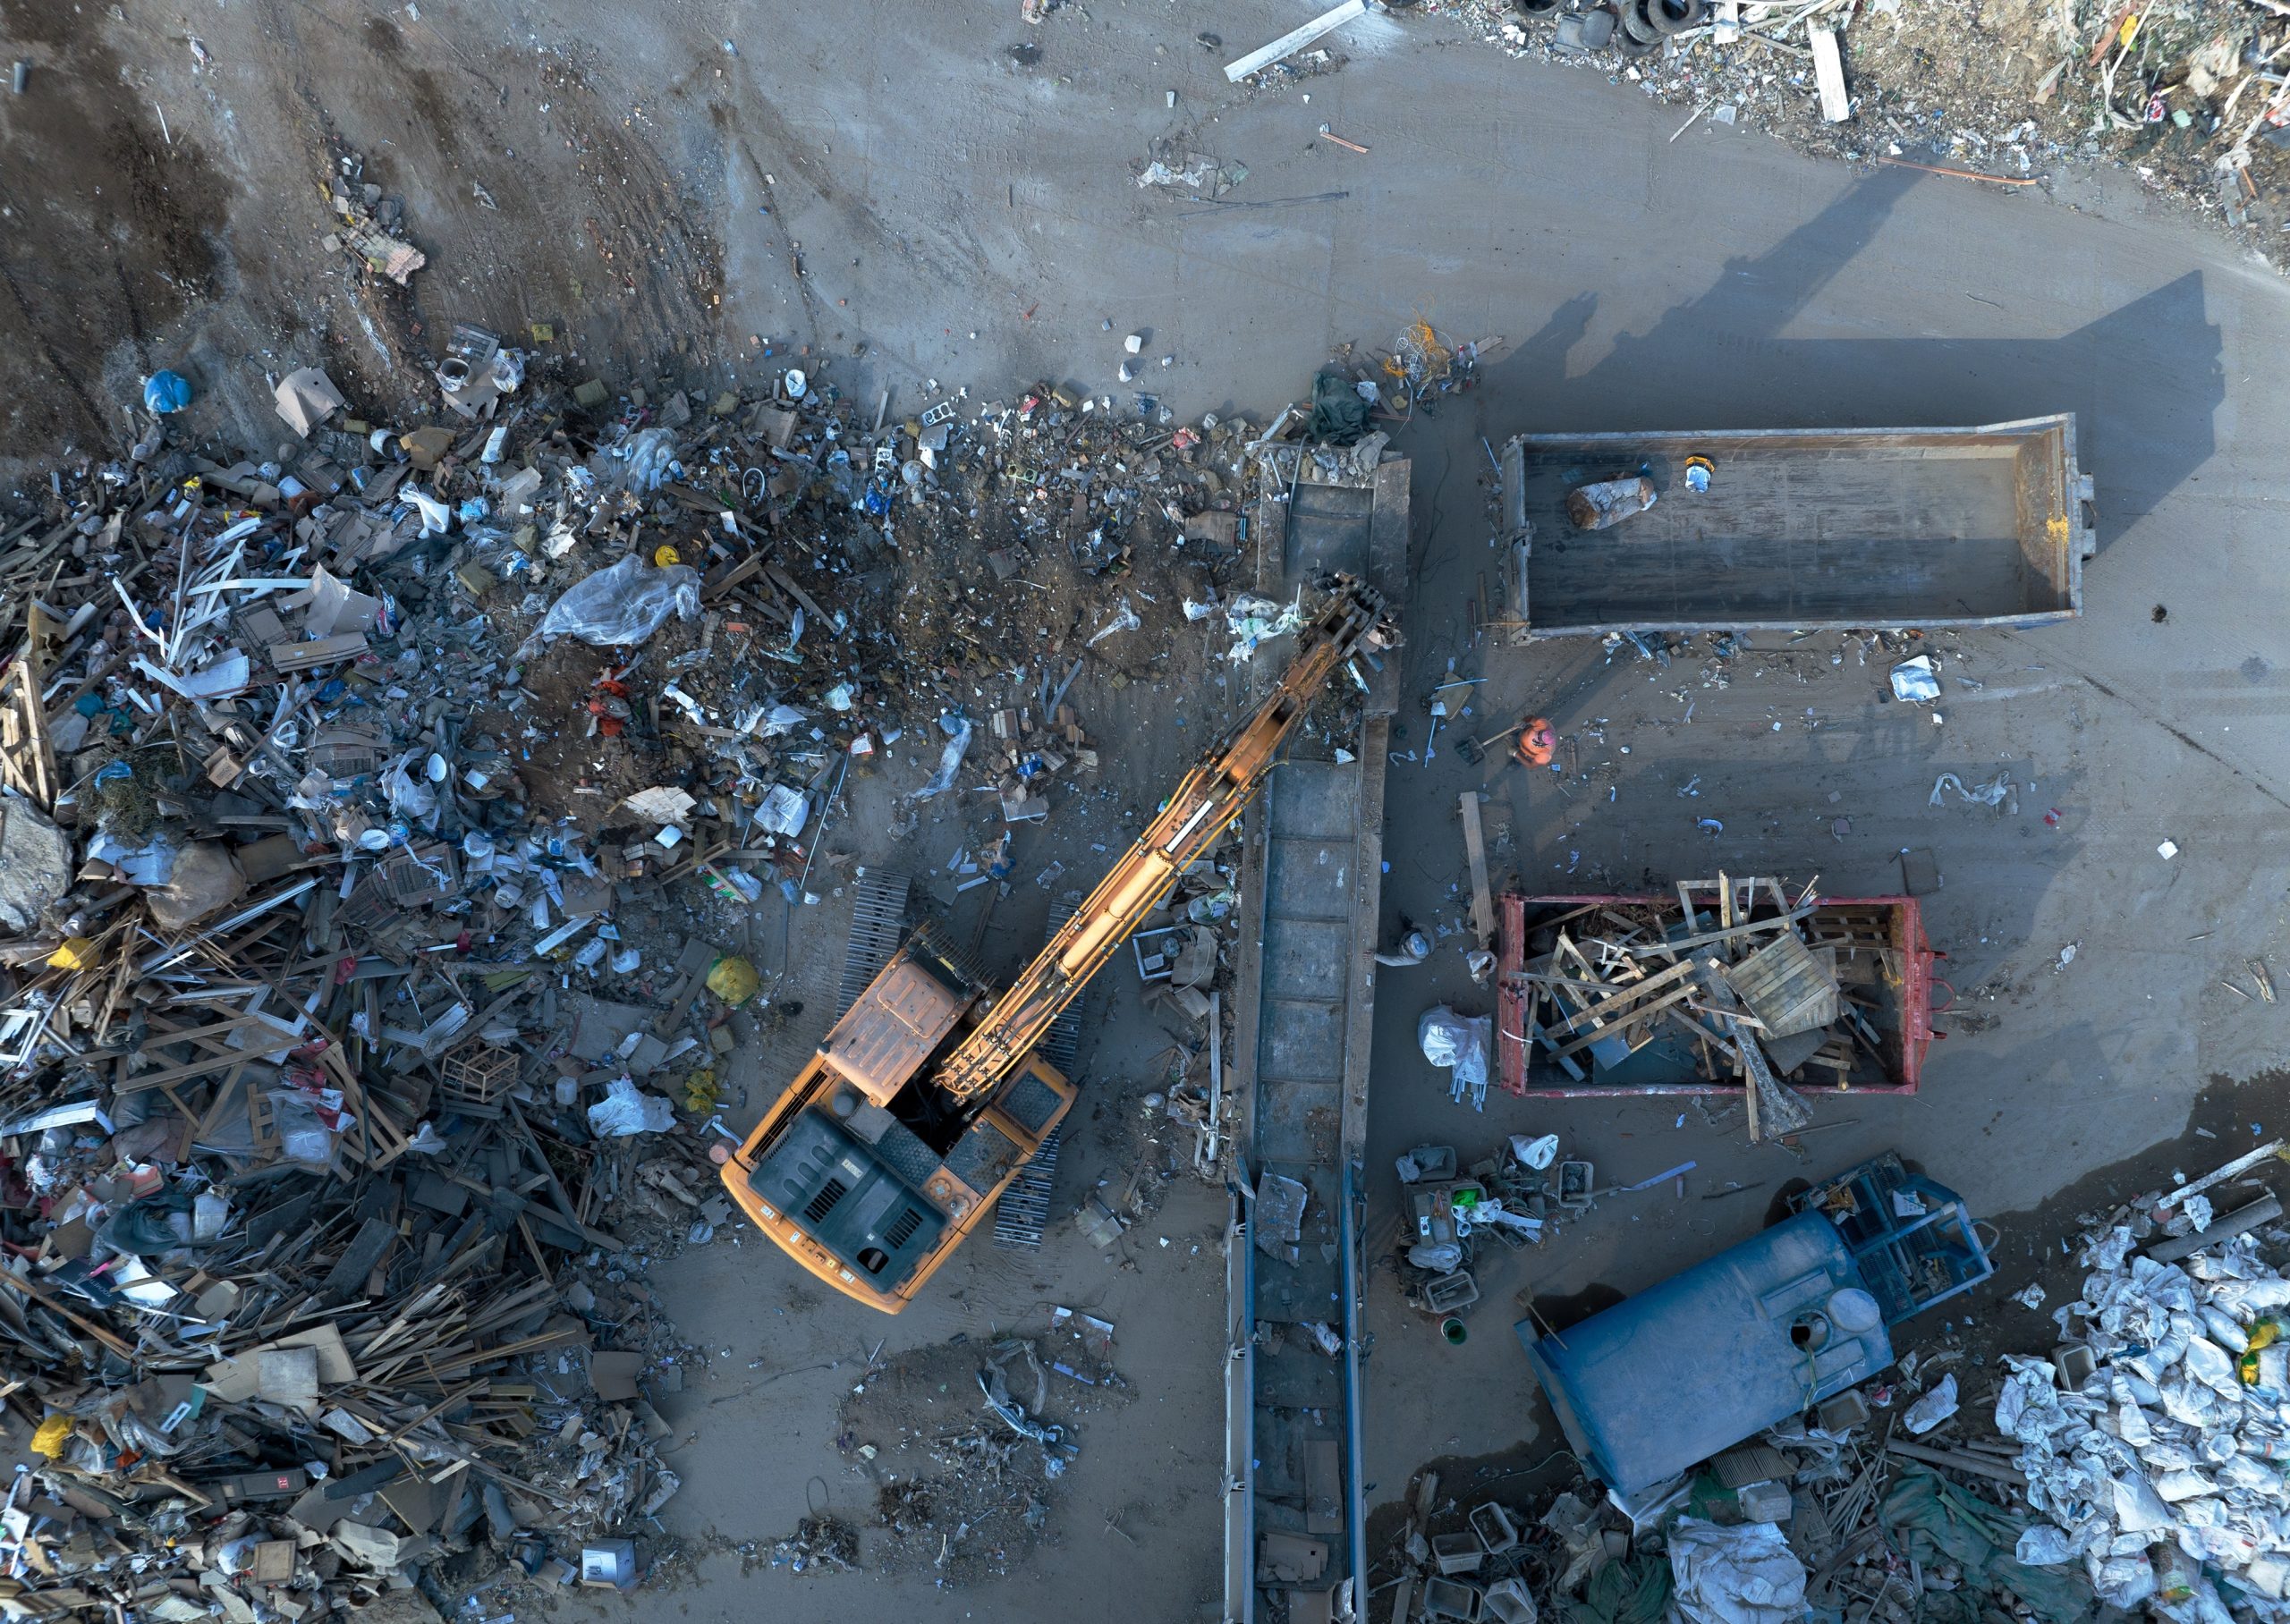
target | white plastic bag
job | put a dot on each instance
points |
(1450, 1040)
(410, 799)
(1934, 1408)
(437, 518)
(626, 1110)
(1536, 1154)
(621, 604)
(1739, 1575)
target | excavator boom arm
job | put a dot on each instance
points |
(1212, 795)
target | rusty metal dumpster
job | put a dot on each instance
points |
(1795, 530)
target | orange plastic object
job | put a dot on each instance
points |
(1537, 743)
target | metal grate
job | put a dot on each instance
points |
(1031, 1101)
(878, 926)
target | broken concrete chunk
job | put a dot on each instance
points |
(427, 446)
(368, 1547)
(612, 1373)
(206, 881)
(35, 864)
(306, 398)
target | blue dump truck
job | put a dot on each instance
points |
(1759, 1333)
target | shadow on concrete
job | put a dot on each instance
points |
(2145, 381)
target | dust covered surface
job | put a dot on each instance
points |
(106, 228)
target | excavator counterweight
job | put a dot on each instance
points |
(929, 1095)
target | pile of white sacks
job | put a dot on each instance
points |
(2168, 1475)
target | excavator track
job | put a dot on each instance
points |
(878, 926)
(1023, 1213)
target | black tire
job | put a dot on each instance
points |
(1636, 37)
(1536, 8)
(1668, 17)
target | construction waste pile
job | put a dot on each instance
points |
(2188, 94)
(2131, 1471)
(1521, 1196)
(374, 820)
(1842, 1516)
(2150, 1441)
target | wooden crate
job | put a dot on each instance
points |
(476, 1080)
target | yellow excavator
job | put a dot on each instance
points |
(927, 1097)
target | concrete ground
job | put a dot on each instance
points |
(884, 174)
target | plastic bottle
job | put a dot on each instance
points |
(2176, 1573)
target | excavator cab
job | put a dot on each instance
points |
(866, 1174)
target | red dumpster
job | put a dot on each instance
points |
(1878, 942)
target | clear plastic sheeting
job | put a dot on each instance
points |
(646, 459)
(1253, 621)
(1124, 619)
(950, 758)
(1745, 1574)
(2163, 1475)
(622, 603)
(1915, 681)
(1988, 794)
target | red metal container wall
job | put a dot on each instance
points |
(1916, 1034)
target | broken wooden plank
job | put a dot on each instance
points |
(1482, 905)
(1829, 73)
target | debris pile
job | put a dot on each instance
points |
(1818, 1519)
(370, 813)
(2148, 1439)
(958, 1445)
(2189, 95)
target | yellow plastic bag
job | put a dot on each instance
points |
(49, 1440)
(701, 1092)
(734, 979)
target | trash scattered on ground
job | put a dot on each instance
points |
(1460, 1044)
(1522, 1195)
(1818, 1519)
(1915, 681)
(964, 1443)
